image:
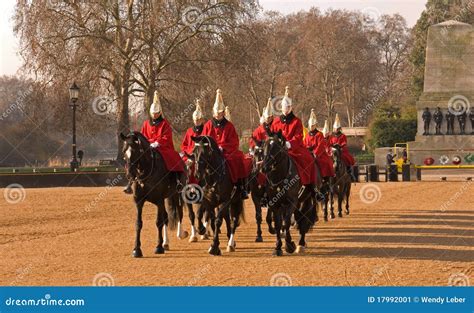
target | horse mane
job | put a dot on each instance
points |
(211, 141)
(141, 138)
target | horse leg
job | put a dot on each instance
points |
(269, 218)
(166, 242)
(277, 218)
(161, 218)
(230, 233)
(137, 251)
(180, 233)
(214, 249)
(340, 199)
(192, 219)
(348, 193)
(227, 225)
(335, 192)
(290, 246)
(258, 218)
(302, 243)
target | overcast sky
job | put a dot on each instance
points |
(410, 9)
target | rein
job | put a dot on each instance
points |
(142, 180)
(276, 184)
(214, 186)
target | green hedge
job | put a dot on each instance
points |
(387, 132)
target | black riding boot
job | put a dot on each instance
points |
(243, 191)
(128, 189)
(350, 170)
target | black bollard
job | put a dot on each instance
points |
(373, 173)
(392, 172)
(405, 172)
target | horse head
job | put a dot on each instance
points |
(135, 147)
(336, 156)
(207, 157)
(258, 153)
(274, 150)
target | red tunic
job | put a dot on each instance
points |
(226, 137)
(293, 132)
(163, 134)
(319, 147)
(260, 134)
(341, 140)
(187, 146)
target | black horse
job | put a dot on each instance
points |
(218, 191)
(342, 182)
(151, 182)
(287, 197)
(257, 190)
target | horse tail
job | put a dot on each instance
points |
(175, 211)
(242, 211)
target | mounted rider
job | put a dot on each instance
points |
(266, 120)
(339, 138)
(223, 132)
(292, 130)
(159, 133)
(187, 145)
(318, 145)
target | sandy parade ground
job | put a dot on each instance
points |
(398, 234)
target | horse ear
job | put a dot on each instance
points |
(269, 132)
(122, 136)
(280, 134)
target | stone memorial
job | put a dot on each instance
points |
(445, 108)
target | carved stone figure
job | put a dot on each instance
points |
(438, 118)
(462, 122)
(426, 116)
(450, 123)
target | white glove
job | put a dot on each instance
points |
(288, 145)
(251, 152)
(181, 154)
(220, 148)
(154, 145)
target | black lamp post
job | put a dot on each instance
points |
(74, 96)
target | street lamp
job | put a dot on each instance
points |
(74, 96)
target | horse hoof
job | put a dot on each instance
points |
(277, 252)
(214, 251)
(230, 249)
(202, 230)
(204, 237)
(183, 235)
(326, 219)
(271, 230)
(137, 253)
(300, 249)
(193, 239)
(160, 250)
(166, 247)
(333, 216)
(347, 212)
(259, 239)
(339, 214)
(290, 247)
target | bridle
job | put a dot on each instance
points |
(214, 186)
(138, 178)
(274, 168)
